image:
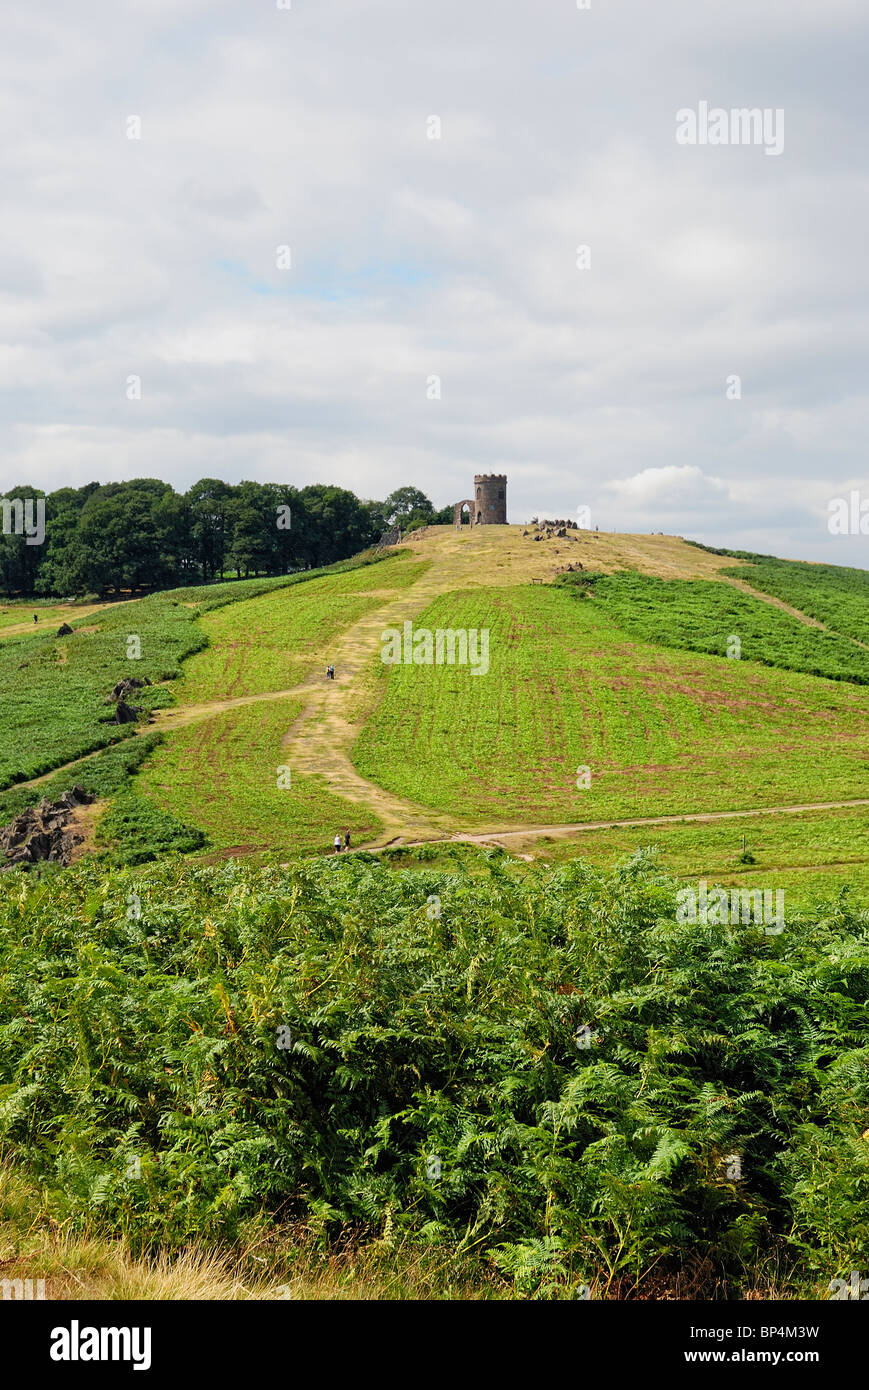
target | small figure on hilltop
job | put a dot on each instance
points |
(337, 843)
(330, 673)
(36, 617)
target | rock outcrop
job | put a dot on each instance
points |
(127, 686)
(43, 832)
(125, 713)
(390, 537)
(545, 530)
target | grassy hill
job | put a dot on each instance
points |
(834, 595)
(661, 731)
(247, 1047)
(623, 667)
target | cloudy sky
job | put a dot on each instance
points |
(411, 258)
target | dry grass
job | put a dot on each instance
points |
(286, 1263)
(277, 1263)
(94, 1269)
(83, 821)
(16, 619)
(498, 556)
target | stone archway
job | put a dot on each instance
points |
(459, 508)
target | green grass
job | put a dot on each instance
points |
(663, 732)
(53, 691)
(267, 1046)
(835, 595)
(134, 831)
(207, 597)
(809, 855)
(705, 615)
(103, 774)
(13, 612)
(221, 774)
(272, 642)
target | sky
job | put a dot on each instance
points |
(340, 241)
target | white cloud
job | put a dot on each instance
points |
(685, 487)
(454, 257)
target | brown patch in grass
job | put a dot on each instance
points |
(83, 821)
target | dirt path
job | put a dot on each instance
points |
(84, 821)
(164, 720)
(51, 619)
(321, 738)
(179, 715)
(534, 832)
(745, 588)
(783, 607)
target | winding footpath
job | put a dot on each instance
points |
(321, 738)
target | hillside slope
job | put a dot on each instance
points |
(630, 681)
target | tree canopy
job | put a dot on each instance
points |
(142, 535)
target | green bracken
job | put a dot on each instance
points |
(544, 1066)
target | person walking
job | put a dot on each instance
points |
(338, 844)
(346, 839)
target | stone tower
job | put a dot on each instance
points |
(488, 506)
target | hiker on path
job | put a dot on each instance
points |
(338, 844)
(36, 617)
(331, 672)
(347, 839)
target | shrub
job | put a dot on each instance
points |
(262, 1043)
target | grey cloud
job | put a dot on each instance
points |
(307, 127)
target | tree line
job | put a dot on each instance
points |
(143, 535)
